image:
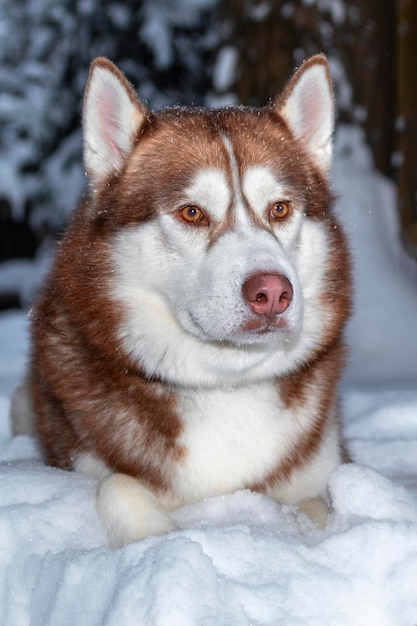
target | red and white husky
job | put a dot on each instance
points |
(188, 341)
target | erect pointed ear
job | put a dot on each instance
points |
(308, 108)
(112, 116)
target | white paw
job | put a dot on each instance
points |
(129, 511)
(316, 509)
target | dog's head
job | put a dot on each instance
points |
(226, 260)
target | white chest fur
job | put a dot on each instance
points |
(234, 437)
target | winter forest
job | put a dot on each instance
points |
(239, 559)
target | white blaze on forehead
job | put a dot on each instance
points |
(210, 191)
(241, 214)
(261, 188)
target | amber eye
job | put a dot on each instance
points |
(279, 210)
(192, 215)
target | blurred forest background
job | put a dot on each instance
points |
(193, 52)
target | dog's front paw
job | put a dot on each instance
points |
(316, 509)
(129, 511)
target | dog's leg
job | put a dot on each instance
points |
(129, 511)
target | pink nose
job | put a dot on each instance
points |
(267, 294)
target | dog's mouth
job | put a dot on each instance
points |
(264, 326)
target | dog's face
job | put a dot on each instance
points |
(222, 249)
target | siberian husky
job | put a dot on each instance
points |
(189, 339)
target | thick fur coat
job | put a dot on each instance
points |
(188, 341)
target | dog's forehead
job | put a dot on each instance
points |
(197, 136)
(213, 156)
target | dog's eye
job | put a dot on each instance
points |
(279, 210)
(193, 215)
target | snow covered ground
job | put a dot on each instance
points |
(242, 559)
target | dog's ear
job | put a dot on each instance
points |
(112, 116)
(307, 106)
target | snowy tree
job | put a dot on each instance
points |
(46, 48)
(407, 122)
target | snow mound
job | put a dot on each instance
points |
(240, 559)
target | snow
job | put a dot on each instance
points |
(382, 333)
(224, 71)
(336, 8)
(242, 559)
(159, 19)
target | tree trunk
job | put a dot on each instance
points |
(407, 109)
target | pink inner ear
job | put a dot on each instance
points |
(310, 110)
(109, 122)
